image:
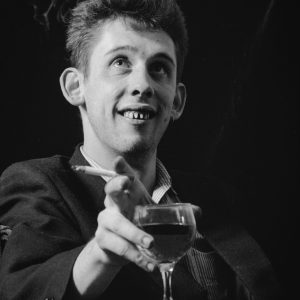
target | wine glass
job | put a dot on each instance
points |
(173, 228)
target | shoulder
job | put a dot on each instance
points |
(39, 167)
(43, 174)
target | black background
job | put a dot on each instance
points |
(241, 121)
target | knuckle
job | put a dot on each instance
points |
(108, 188)
(108, 202)
(110, 219)
(139, 259)
(120, 181)
(100, 237)
(123, 250)
(117, 184)
(143, 263)
(115, 222)
(101, 217)
(104, 217)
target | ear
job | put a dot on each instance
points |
(179, 102)
(71, 83)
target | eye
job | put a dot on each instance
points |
(121, 62)
(159, 68)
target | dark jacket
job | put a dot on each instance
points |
(52, 212)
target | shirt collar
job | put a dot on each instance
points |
(163, 182)
(93, 163)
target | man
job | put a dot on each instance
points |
(72, 234)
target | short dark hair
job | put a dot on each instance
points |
(85, 18)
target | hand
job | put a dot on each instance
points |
(116, 235)
(125, 191)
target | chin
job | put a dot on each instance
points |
(137, 148)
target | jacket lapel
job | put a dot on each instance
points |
(240, 251)
(93, 184)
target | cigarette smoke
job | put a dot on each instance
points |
(49, 12)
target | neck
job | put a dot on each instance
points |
(144, 167)
(143, 164)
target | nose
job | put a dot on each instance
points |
(141, 84)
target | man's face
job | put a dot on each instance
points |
(130, 88)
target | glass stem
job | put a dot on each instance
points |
(166, 271)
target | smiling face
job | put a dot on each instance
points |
(130, 91)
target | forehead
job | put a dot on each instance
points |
(120, 33)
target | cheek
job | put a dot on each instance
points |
(167, 94)
(109, 90)
(166, 100)
(100, 97)
(166, 109)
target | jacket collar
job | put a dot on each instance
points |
(93, 184)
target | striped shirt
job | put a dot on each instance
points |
(206, 267)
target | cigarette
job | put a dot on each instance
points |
(93, 171)
(108, 173)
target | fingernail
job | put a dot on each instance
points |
(147, 242)
(150, 266)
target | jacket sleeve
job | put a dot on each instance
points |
(44, 243)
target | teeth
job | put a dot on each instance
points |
(136, 115)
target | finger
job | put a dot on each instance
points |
(122, 167)
(109, 203)
(115, 222)
(116, 185)
(121, 249)
(118, 195)
(135, 186)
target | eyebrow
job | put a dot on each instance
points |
(166, 57)
(127, 48)
(134, 49)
